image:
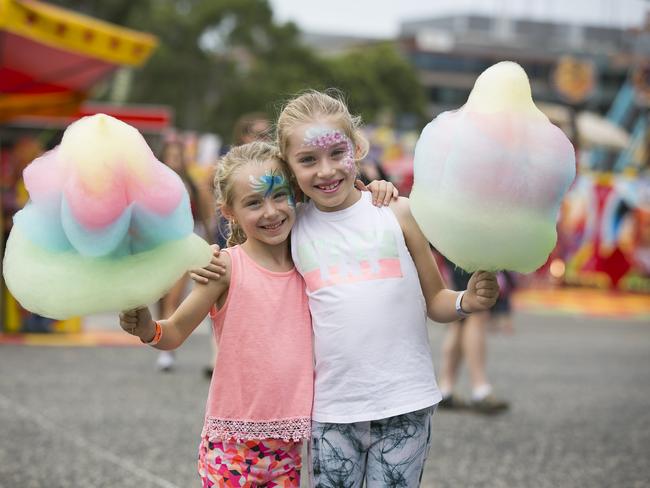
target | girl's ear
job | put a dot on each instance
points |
(226, 211)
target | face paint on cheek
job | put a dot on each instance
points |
(269, 184)
(325, 137)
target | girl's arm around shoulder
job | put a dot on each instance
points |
(441, 302)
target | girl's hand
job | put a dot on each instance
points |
(482, 292)
(138, 322)
(382, 191)
(213, 271)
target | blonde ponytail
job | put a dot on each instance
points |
(236, 234)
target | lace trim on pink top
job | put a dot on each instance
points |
(293, 429)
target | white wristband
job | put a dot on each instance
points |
(459, 308)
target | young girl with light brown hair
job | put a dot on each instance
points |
(371, 281)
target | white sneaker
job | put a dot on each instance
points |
(165, 361)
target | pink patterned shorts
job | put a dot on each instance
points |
(247, 464)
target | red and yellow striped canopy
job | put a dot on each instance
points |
(50, 57)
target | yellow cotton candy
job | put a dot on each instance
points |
(100, 147)
(503, 87)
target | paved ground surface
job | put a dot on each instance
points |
(103, 417)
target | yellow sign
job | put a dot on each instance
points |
(574, 79)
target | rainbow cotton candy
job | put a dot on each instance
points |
(108, 227)
(489, 177)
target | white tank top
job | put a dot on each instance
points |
(371, 347)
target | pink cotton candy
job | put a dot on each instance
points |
(44, 177)
(95, 210)
(162, 197)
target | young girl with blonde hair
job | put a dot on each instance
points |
(371, 281)
(259, 404)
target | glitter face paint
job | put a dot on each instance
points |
(326, 137)
(271, 183)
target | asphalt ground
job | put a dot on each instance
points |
(104, 417)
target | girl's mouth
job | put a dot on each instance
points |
(273, 226)
(330, 187)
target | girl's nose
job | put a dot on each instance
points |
(269, 207)
(326, 168)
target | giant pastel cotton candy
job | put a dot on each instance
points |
(108, 227)
(489, 178)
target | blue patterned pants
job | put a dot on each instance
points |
(386, 452)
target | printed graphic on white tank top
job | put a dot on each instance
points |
(326, 263)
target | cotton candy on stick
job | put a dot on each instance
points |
(108, 227)
(489, 177)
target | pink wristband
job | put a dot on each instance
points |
(156, 337)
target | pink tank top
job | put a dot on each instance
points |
(262, 386)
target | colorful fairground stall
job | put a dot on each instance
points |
(50, 59)
(604, 228)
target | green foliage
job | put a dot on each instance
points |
(220, 59)
(379, 81)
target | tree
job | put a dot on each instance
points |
(378, 79)
(219, 59)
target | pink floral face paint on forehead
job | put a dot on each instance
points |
(326, 137)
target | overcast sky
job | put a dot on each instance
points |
(380, 18)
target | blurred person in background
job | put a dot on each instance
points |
(465, 340)
(370, 169)
(250, 127)
(501, 313)
(173, 155)
(14, 197)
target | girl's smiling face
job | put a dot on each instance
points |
(321, 156)
(263, 203)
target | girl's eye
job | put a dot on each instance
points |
(280, 195)
(306, 160)
(253, 203)
(338, 152)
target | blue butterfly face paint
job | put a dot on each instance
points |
(271, 185)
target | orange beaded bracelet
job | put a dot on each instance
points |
(156, 337)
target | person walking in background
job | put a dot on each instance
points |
(501, 313)
(465, 341)
(173, 155)
(254, 126)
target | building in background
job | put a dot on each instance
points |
(450, 52)
(328, 45)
